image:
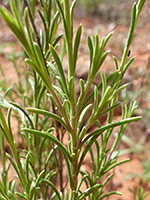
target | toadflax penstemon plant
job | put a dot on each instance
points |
(54, 98)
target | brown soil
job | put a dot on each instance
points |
(128, 175)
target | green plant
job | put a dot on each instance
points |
(141, 195)
(54, 108)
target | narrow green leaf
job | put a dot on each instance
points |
(24, 112)
(82, 116)
(50, 175)
(57, 40)
(52, 115)
(108, 37)
(103, 128)
(39, 57)
(53, 100)
(108, 109)
(119, 90)
(90, 45)
(111, 193)
(14, 166)
(5, 129)
(130, 36)
(92, 156)
(133, 106)
(139, 6)
(48, 158)
(11, 195)
(15, 12)
(71, 85)
(50, 137)
(11, 185)
(89, 191)
(103, 102)
(53, 68)
(30, 35)
(72, 7)
(53, 187)
(66, 195)
(45, 79)
(103, 57)
(61, 83)
(49, 12)
(3, 198)
(43, 19)
(96, 57)
(8, 120)
(116, 63)
(27, 167)
(82, 88)
(76, 47)
(32, 190)
(116, 164)
(60, 68)
(39, 177)
(22, 196)
(107, 179)
(104, 83)
(66, 109)
(83, 132)
(59, 92)
(127, 66)
(63, 17)
(80, 183)
(54, 27)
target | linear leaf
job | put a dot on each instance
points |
(53, 187)
(76, 47)
(49, 114)
(103, 128)
(25, 113)
(89, 191)
(54, 27)
(60, 68)
(21, 195)
(116, 164)
(50, 137)
(82, 116)
(111, 193)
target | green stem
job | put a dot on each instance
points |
(71, 73)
